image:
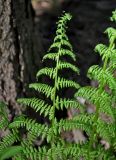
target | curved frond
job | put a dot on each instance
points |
(64, 52)
(60, 37)
(95, 97)
(62, 83)
(106, 52)
(103, 76)
(113, 18)
(30, 152)
(67, 103)
(105, 130)
(46, 71)
(30, 125)
(111, 33)
(83, 122)
(43, 88)
(54, 45)
(9, 140)
(36, 104)
(66, 65)
(52, 56)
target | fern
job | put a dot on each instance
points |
(61, 47)
(103, 120)
(7, 147)
(99, 125)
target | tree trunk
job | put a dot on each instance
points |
(19, 55)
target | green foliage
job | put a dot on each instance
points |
(51, 133)
(7, 149)
(103, 120)
(98, 125)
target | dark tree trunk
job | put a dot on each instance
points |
(19, 54)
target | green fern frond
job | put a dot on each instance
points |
(111, 34)
(9, 140)
(61, 36)
(105, 130)
(105, 52)
(46, 71)
(52, 56)
(64, 52)
(43, 88)
(62, 43)
(94, 96)
(63, 20)
(66, 44)
(30, 152)
(83, 122)
(78, 151)
(66, 65)
(113, 18)
(67, 103)
(29, 124)
(103, 76)
(54, 45)
(3, 122)
(36, 104)
(62, 83)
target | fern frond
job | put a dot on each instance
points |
(29, 124)
(58, 44)
(83, 122)
(60, 36)
(3, 122)
(111, 34)
(67, 103)
(64, 52)
(62, 83)
(52, 56)
(36, 104)
(105, 130)
(20, 157)
(105, 52)
(103, 76)
(46, 71)
(54, 45)
(94, 96)
(43, 88)
(79, 151)
(66, 44)
(9, 140)
(66, 65)
(113, 18)
(30, 152)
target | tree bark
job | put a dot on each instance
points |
(19, 55)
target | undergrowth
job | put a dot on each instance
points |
(99, 126)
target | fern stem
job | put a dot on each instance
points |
(55, 85)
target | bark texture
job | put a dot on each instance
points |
(19, 55)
